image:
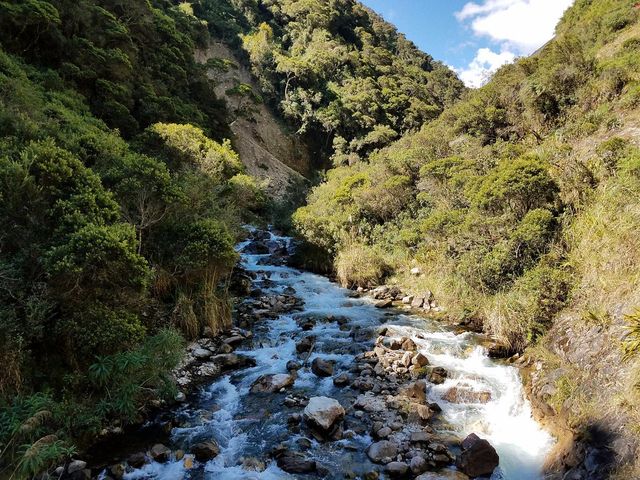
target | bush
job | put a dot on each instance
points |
(520, 186)
(360, 266)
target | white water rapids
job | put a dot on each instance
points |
(243, 427)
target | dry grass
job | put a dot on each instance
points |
(360, 266)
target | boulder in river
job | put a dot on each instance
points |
(205, 451)
(397, 469)
(295, 462)
(306, 344)
(137, 460)
(272, 383)
(463, 395)
(416, 391)
(322, 368)
(383, 451)
(159, 453)
(478, 457)
(324, 414)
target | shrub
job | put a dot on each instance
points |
(360, 266)
(520, 186)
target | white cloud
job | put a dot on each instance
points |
(485, 63)
(525, 25)
(519, 26)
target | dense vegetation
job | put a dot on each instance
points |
(118, 212)
(120, 199)
(340, 74)
(513, 197)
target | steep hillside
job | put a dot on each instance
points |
(136, 138)
(519, 209)
(345, 79)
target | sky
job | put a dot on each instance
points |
(474, 38)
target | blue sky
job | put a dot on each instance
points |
(474, 37)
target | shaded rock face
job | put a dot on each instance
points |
(478, 457)
(159, 453)
(272, 383)
(323, 414)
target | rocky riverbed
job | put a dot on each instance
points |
(321, 382)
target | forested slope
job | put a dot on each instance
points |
(121, 197)
(519, 206)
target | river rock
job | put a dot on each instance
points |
(137, 460)
(231, 361)
(272, 383)
(438, 375)
(202, 353)
(323, 413)
(418, 465)
(159, 453)
(205, 451)
(295, 462)
(466, 395)
(478, 457)
(257, 247)
(306, 344)
(407, 299)
(409, 345)
(417, 302)
(382, 452)
(322, 368)
(397, 469)
(443, 475)
(384, 303)
(293, 365)
(342, 380)
(419, 360)
(416, 391)
(75, 466)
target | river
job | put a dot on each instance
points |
(249, 426)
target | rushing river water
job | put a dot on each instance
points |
(246, 425)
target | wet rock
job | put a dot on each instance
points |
(293, 365)
(443, 475)
(306, 344)
(438, 375)
(397, 469)
(232, 361)
(466, 395)
(257, 247)
(234, 341)
(418, 465)
(252, 464)
(419, 360)
(478, 457)
(205, 451)
(383, 433)
(272, 383)
(137, 460)
(384, 303)
(324, 414)
(295, 462)
(159, 453)
(116, 471)
(382, 452)
(75, 466)
(342, 380)
(409, 345)
(420, 437)
(322, 368)
(416, 391)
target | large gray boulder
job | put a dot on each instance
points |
(323, 413)
(382, 452)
